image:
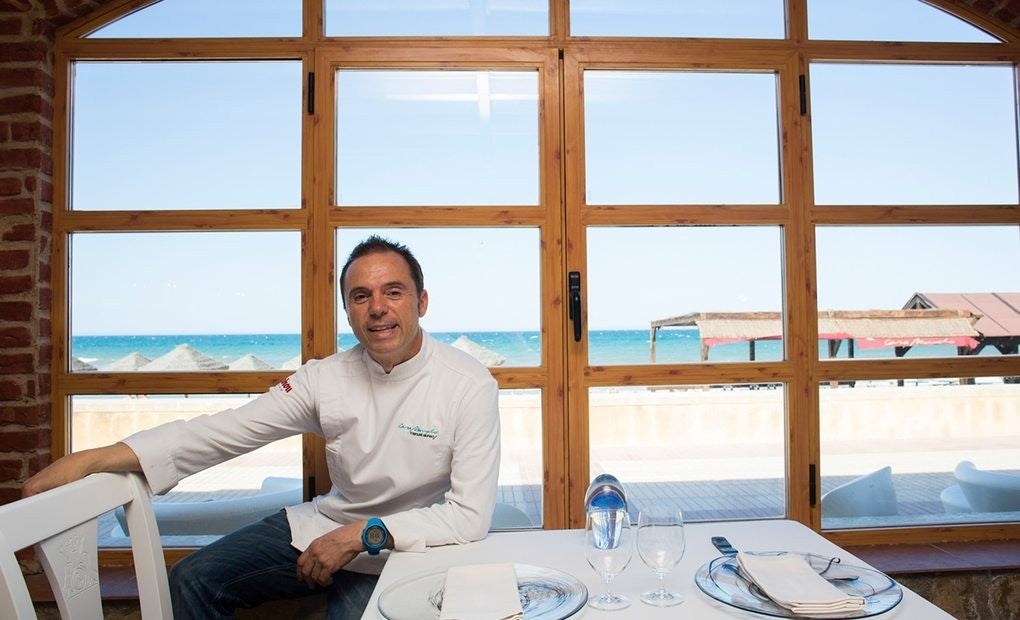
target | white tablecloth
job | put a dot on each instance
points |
(564, 550)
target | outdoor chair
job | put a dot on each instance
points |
(871, 495)
(222, 516)
(981, 491)
(508, 517)
(63, 525)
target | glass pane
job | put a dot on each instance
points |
(664, 137)
(186, 135)
(962, 281)
(483, 286)
(521, 465)
(201, 18)
(436, 17)
(437, 138)
(912, 438)
(239, 491)
(742, 19)
(676, 284)
(914, 134)
(714, 452)
(888, 20)
(137, 297)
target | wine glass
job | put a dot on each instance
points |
(608, 546)
(660, 543)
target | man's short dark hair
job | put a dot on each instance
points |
(375, 244)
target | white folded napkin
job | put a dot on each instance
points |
(790, 581)
(481, 592)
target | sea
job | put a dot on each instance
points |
(516, 348)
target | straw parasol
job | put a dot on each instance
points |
(477, 351)
(185, 357)
(79, 366)
(130, 362)
(249, 362)
(292, 364)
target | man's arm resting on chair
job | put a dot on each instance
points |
(77, 465)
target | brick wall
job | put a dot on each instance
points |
(26, 137)
(26, 109)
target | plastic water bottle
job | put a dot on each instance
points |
(605, 492)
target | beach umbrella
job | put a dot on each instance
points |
(79, 366)
(130, 362)
(249, 362)
(185, 357)
(477, 351)
(292, 364)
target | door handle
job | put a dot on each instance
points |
(574, 280)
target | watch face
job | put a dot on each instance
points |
(375, 535)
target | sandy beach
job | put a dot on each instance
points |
(686, 434)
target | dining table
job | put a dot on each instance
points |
(563, 551)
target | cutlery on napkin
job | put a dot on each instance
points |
(481, 592)
(790, 581)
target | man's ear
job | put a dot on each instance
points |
(423, 303)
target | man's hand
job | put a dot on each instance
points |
(77, 465)
(329, 553)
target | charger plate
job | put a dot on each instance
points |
(722, 580)
(545, 593)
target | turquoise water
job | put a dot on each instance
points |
(519, 348)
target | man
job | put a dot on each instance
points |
(412, 444)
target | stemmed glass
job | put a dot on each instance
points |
(608, 546)
(660, 543)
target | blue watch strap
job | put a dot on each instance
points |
(374, 536)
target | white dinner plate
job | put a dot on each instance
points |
(721, 580)
(546, 594)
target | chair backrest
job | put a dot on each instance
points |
(988, 491)
(871, 495)
(62, 524)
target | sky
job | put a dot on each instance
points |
(471, 138)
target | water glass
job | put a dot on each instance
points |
(661, 543)
(608, 546)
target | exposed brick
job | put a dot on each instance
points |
(20, 232)
(16, 363)
(11, 25)
(22, 415)
(24, 51)
(12, 469)
(20, 77)
(11, 390)
(5, 132)
(21, 158)
(24, 440)
(10, 285)
(11, 186)
(15, 336)
(15, 5)
(28, 102)
(45, 297)
(9, 494)
(14, 259)
(16, 206)
(31, 132)
(15, 310)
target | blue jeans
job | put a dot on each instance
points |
(253, 565)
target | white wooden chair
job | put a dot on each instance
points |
(63, 525)
(870, 495)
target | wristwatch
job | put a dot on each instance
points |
(374, 536)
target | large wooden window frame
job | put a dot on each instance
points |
(561, 216)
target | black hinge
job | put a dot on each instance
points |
(561, 53)
(803, 94)
(812, 486)
(311, 93)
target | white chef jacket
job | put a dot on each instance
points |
(418, 447)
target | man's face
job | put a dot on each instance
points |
(383, 307)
